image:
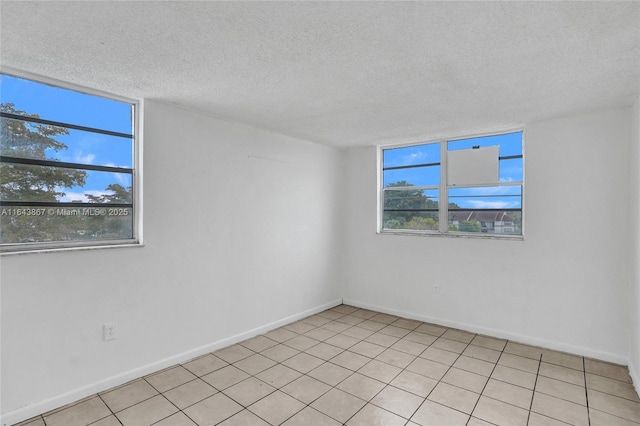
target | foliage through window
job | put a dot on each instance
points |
(67, 175)
(457, 186)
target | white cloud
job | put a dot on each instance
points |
(80, 196)
(493, 190)
(480, 204)
(84, 159)
(122, 178)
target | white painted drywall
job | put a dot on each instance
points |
(564, 286)
(634, 231)
(240, 232)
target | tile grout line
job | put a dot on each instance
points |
(586, 392)
(487, 382)
(533, 392)
(386, 384)
(108, 408)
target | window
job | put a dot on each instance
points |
(470, 186)
(67, 168)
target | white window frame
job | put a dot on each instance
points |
(443, 190)
(136, 176)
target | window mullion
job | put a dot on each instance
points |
(443, 213)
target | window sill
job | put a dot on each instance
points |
(42, 248)
(407, 232)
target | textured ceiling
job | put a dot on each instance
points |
(341, 73)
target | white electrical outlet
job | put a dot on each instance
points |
(110, 331)
(436, 289)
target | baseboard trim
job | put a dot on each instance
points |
(61, 400)
(518, 338)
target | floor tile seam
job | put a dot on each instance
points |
(73, 404)
(32, 419)
(519, 369)
(377, 406)
(513, 384)
(246, 407)
(560, 380)
(486, 383)
(484, 347)
(99, 420)
(115, 414)
(556, 419)
(446, 406)
(200, 400)
(238, 360)
(637, 401)
(486, 421)
(137, 403)
(106, 405)
(533, 394)
(405, 328)
(275, 343)
(183, 412)
(400, 415)
(440, 381)
(618, 397)
(163, 419)
(329, 390)
(181, 384)
(564, 366)
(607, 377)
(560, 397)
(586, 390)
(612, 415)
(318, 397)
(548, 417)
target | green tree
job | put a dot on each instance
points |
(423, 223)
(20, 182)
(117, 223)
(469, 226)
(25, 139)
(410, 201)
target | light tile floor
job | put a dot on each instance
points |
(357, 367)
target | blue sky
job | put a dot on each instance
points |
(57, 104)
(486, 197)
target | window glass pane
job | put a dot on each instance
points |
(490, 210)
(487, 222)
(510, 143)
(406, 209)
(21, 182)
(64, 105)
(493, 197)
(411, 155)
(36, 141)
(25, 224)
(415, 176)
(511, 170)
(418, 221)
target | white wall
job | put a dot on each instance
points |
(634, 323)
(240, 232)
(565, 286)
